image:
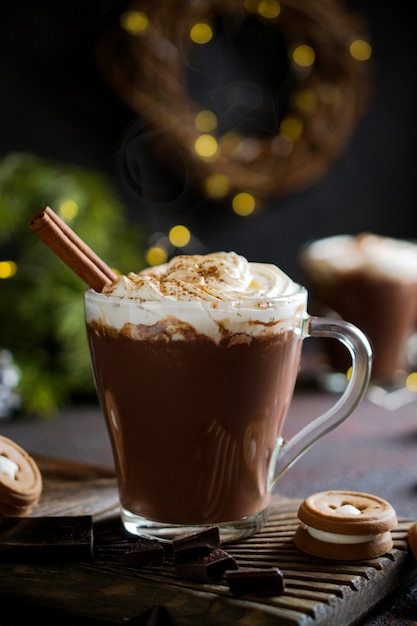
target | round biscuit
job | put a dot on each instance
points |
(319, 510)
(19, 494)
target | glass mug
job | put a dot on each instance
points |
(195, 424)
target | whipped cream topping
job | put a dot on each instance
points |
(8, 467)
(215, 294)
(366, 253)
(218, 276)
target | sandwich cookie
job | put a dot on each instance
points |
(345, 525)
(20, 479)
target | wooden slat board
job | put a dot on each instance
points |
(317, 591)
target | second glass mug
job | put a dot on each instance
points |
(195, 424)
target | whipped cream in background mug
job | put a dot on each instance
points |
(195, 363)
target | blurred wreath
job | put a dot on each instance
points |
(42, 317)
(317, 81)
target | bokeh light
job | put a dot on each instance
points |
(251, 6)
(269, 9)
(156, 255)
(206, 121)
(68, 209)
(305, 100)
(360, 49)
(134, 22)
(179, 236)
(303, 56)
(244, 204)
(217, 185)
(7, 269)
(206, 146)
(411, 382)
(291, 127)
(201, 33)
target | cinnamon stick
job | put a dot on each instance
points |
(74, 252)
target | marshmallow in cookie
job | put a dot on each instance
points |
(345, 525)
(20, 479)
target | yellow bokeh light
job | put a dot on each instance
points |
(360, 49)
(201, 33)
(206, 121)
(217, 185)
(206, 146)
(68, 209)
(291, 127)
(411, 382)
(244, 204)
(230, 142)
(269, 9)
(251, 6)
(303, 55)
(135, 22)
(305, 100)
(7, 269)
(179, 236)
(156, 255)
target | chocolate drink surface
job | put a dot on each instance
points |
(193, 422)
(384, 309)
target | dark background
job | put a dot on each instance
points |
(55, 103)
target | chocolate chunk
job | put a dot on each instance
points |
(268, 581)
(192, 545)
(46, 538)
(146, 551)
(208, 567)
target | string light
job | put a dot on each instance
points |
(269, 9)
(7, 269)
(201, 33)
(360, 50)
(305, 100)
(217, 185)
(206, 147)
(68, 209)
(303, 55)
(134, 22)
(411, 382)
(243, 204)
(251, 6)
(291, 127)
(179, 236)
(206, 121)
(155, 255)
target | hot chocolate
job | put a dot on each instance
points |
(195, 363)
(195, 398)
(370, 281)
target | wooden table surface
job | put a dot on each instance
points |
(373, 451)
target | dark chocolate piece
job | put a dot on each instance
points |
(192, 545)
(267, 581)
(209, 567)
(146, 551)
(46, 538)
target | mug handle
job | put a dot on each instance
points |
(288, 452)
